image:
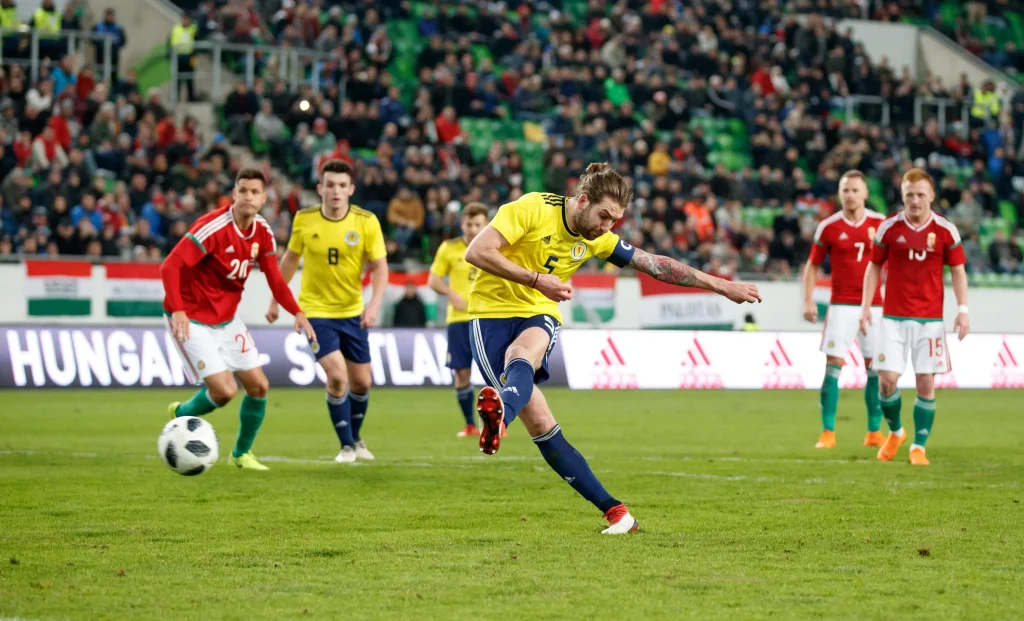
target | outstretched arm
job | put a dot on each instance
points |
(668, 270)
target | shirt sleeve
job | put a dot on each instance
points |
(514, 219)
(295, 239)
(441, 265)
(375, 241)
(954, 253)
(880, 251)
(819, 249)
(618, 251)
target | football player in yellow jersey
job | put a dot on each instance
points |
(526, 256)
(450, 261)
(335, 240)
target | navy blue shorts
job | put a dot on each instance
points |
(490, 339)
(460, 352)
(345, 335)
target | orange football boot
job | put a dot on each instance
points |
(917, 456)
(874, 438)
(827, 439)
(469, 431)
(891, 446)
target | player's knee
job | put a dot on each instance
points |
(336, 385)
(462, 378)
(258, 389)
(360, 385)
(222, 393)
(887, 384)
(926, 386)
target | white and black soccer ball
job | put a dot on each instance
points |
(188, 445)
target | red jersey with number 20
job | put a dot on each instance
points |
(916, 256)
(218, 260)
(849, 246)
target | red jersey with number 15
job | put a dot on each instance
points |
(219, 258)
(848, 244)
(916, 256)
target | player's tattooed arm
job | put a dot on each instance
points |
(674, 272)
(668, 270)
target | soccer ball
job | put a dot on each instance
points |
(188, 445)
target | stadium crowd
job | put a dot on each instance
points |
(729, 117)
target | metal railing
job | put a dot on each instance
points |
(922, 104)
(295, 66)
(77, 42)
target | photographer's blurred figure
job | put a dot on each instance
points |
(749, 324)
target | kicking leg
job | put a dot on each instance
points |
(571, 465)
(339, 404)
(464, 394)
(251, 414)
(498, 410)
(924, 417)
(359, 393)
(829, 401)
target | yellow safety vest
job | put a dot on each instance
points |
(985, 104)
(183, 38)
(47, 23)
(9, 18)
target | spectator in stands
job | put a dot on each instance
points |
(1004, 257)
(410, 312)
(109, 26)
(406, 216)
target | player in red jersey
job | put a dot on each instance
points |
(916, 244)
(845, 237)
(203, 277)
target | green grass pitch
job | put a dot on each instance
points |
(741, 517)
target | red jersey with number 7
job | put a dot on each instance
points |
(916, 256)
(848, 244)
(218, 258)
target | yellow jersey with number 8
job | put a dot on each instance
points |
(540, 240)
(334, 253)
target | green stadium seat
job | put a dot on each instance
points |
(1008, 213)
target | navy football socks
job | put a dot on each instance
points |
(341, 417)
(518, 387)
(573, 468)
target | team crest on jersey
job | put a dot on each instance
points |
(502, 379)
(881, 357)
(578, 250)
(351, 238)
(255, 251)
(201, 365)
(831, 344)
(871, 232)
(315, 347)
(931, 240)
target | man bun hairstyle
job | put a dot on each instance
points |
(600, 182)
(475, 209)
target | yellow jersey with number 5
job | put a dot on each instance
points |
(450, 261)
(334, 253)
(540, 240)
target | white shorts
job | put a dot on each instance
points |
(922, 344)
(212, 349)
(842, 327)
